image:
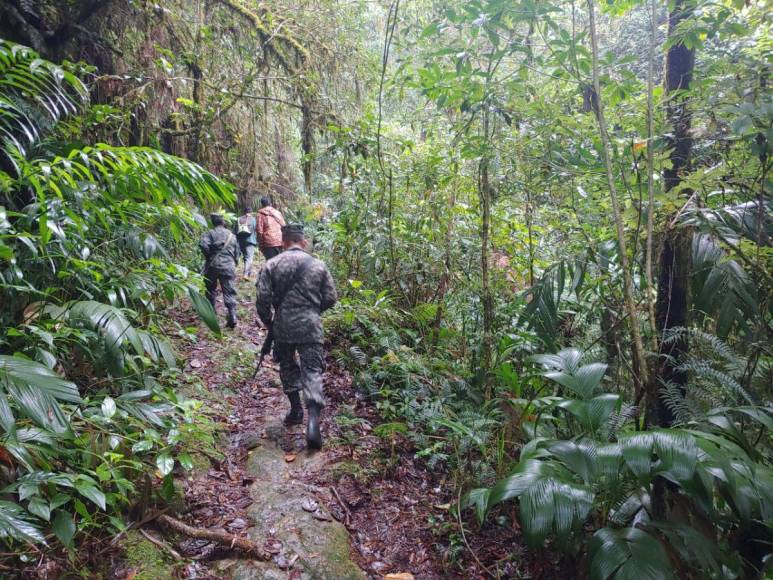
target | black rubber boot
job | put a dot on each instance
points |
(295, 416)
(231, 321)
(313, 433)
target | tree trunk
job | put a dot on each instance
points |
(639, 362)
(671, 307)
(307, 144)
(651, 175)
(484, 189)
(194, 66)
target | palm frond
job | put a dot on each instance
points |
(629, 553)
(138, 173)
(15, 524)
(721, 287)
(204, 309)
(34, 95)
(35, 390)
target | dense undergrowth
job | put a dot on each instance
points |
(549, 221)
(92, 238)
(559, 437)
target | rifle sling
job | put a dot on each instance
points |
(220, 251)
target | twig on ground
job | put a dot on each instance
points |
(464, 537)
(133, 525)
(347, 512)
(161, 544)
(233, 542)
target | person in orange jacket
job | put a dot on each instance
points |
(269, 229)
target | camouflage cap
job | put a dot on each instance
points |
(292, 229)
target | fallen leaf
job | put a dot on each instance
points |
(195, 363)
(290, 457)
(309, 505)
(5, 457)
(399, 576)
(273, 546)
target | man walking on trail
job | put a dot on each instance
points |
(220, 255)
(293, 290)
(269, 229)
(245, 230)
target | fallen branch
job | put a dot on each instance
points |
(347, 513)
(131, 526)
(161, 544)
(224, 538)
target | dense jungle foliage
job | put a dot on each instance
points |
(550, 225)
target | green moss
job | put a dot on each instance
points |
(149, 561)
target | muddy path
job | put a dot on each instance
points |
(359, 508)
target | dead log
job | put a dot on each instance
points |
(233, 542)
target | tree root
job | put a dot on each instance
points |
(229, 540)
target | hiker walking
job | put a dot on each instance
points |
(293, 290)
(221, 252)
(245, 230)
(269, 229)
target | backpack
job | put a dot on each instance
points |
(244, 230)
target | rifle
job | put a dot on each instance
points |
(264, 350)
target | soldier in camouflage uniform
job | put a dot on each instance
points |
(293, 289)
(221, 252)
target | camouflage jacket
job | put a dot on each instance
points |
(299, 317)
(219, 258)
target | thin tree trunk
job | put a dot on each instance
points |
(488, 300)
(307, 144)
(530, 228)
(671, 307)
(639, 362)
(445, 279)
(651, 175)
(194, 147)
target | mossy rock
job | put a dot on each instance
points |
(147, 559)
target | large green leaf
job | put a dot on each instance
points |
(109, 321)
(35, 389)
(138, 173)
(158, 349)
(628, 554)
(15, 524)
(23, 371)
(34, 94)
(671, 453)
(204, 309)
(594, 413)
(584, 382)
(64, 527)
(554, 506)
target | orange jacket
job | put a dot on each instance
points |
(269, 227)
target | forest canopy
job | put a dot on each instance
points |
(550, 227)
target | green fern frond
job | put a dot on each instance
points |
(704, 370)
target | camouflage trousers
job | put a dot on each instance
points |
(304, 373)
(211, 280)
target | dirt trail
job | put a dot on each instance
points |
(259, 488)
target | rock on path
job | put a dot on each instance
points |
(312, 541)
